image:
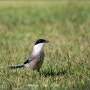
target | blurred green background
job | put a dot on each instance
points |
(66, 24)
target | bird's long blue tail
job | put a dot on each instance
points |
(17, 66)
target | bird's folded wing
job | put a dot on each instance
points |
(28, 60)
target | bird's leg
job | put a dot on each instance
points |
(38, 70)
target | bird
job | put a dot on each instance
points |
(35, 61)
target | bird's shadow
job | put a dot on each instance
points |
(53, 73)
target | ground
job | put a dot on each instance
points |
(65, 24)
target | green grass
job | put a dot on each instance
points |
(67, 56)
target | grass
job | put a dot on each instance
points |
(67, 57)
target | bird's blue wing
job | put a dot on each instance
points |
(28, 60)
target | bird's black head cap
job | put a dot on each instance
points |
(41, 41)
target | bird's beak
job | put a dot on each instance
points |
(46, 41)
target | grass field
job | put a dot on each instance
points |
(67, 56)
